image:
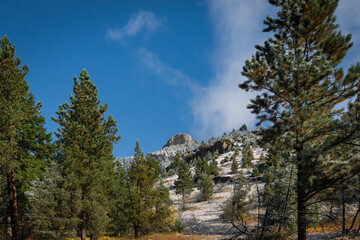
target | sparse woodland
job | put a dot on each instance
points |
(303, 183)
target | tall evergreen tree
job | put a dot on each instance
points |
(199, 168)
(24, 144)
(141, 206)
(247, 156)
(214, 167)
(85, 143)
(240, 203)
(234, 165)
(206, 186)
(35, 147)
(302, 83)
(184, 184)
(176, 162)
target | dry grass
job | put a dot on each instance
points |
(217, 198)
(328, 227)
(172, 236)
(190, 198)
(191, 208)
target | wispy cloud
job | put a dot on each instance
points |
(349, 20)
(221, 106)
(141, 22)
(166, 73)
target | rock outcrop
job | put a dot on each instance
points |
(181, 143)
(180, 139)
(221, 146)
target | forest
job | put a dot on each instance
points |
(297, 173)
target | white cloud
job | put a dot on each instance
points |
(141, 22)
(349, 20)
(221, 106)
(348, 15)
(168, 74)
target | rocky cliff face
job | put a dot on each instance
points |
(221, 146)
(180, 139)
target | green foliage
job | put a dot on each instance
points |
(301, 84)
(243, 127)
(184, 184)
(202, 166)
(234, 165)
(154, 166)
(52, 214)
(178, 226)
(280, 195)
(240, 203)
(176, 162)
(198, 168)
(206, 187)
(214, 167)
(85, 141)
(163, 216)
(225, 160)
(24, 143)
(205, 168)
(256, 172)
(139, 205)
(247, 157)
(262, 166)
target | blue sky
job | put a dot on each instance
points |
(163, 67)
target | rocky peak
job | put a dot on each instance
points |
(180, 143)
(178, 139)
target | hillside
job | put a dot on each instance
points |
(205, 218)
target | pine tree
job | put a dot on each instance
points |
(35, 148)
(214, 167)
(234, 165)
(163, 217)
(118, 221)
(51, 206)
(243, 127)
(247, 157)
(206, 168)
(240, 203)
(85, 141)
(184, 184)
(199, 168)
(138, 202)
(24, 144)
(206, 187)
(302, 83)
(176, 163)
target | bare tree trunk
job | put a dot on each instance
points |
(301, 224)
(8, 228)
(83, 233)
(136, 230)
(12, 207)
(264, 222)
(343, 205)
(354, 219)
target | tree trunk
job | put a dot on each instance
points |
(83, 225)
(136, 230)
(343, 212)
(8, 227)
(83, 219)
(12, 207)
(83, 233)
(301, 224)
